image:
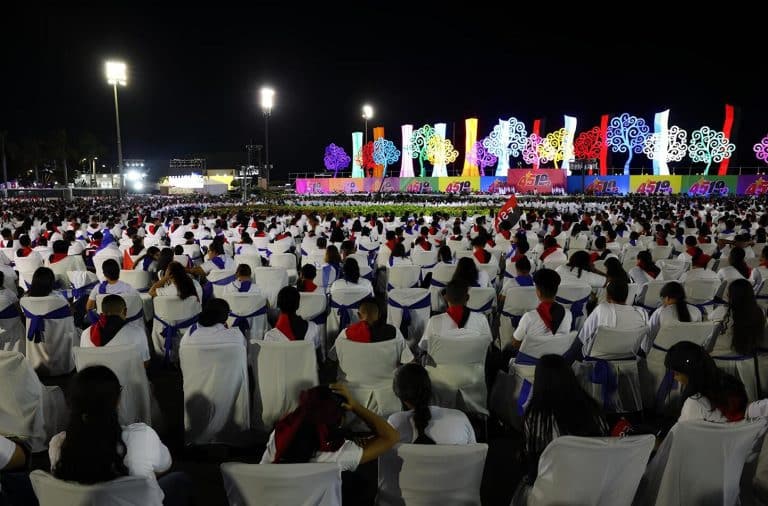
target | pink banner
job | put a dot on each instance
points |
(541, 181)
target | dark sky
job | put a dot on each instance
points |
(194, 73)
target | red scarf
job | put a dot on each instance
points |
(260, 233)
(25, 251)
(481, 255)
(459, 315)
(515, 258)
(661, 241)
(280, 236)
(506, 234)
(545, 313)
(763, 263)
(58, 256)
(316, 408)
(547, 252)
(151, 229)
(691, 252)
(308, 286)
(359, 332)
(593, 257)
(425, 245)
(645, 270)
(284, 325)
(391, 244)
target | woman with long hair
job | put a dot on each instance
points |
(579, 270)
(351, 279)
(176, 281)
(149, 260)
(737, 268)
(163, 261)
(43, 283)
(96, 449)
(558, 407)
(444, 255)
(646, 269)
(290, 326)
(709, 393)
(398, 256)
(742, 322)
(673, 309)
(467, 272)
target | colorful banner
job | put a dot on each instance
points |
(492, 184)
(458, 184)
(710, 185)
(655, 185)
(381, 185)
(753, 185)
(599, 185)
(419, 185)
(540, 181)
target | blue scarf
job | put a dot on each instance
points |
(244, 286)
(218, 262)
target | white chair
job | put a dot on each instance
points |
(26, 267)
(134, 309)
(343, 303)
(368, 369)
(609, 371)
(299, 484)
(125, 491)
(650, 296)
(281, 371)
(126, 363)
(98, 261)
(660, 252)
(172, 317)
(441, 275)
(458, 374)
(286, 261)
(600, 471)
(574, 296)
(433, 475)
(193, 252)
(700, 463)
(140, 280)
(12, 330)
(580, 242)
(671, 270)
(253, 261)
(216, 399)
(81, 282)
(51, 334)
(658, 386)
(218, 279)
(424, 259)
(703, 292)
(519, 300)
(313, 307)
(28, 409)
(482, 300)
(409, 309)
(270, 281)
(404, 276)
(248, 312)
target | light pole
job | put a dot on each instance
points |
(267, 101)
(117, 74)
(367, 114)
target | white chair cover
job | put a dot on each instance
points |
(343, 304)
(660, 252)
(312, 307)
(125, 491)
(600, 471)
(519, 299)
(12, 336)
(193, 252)
(216, 399)
(434, 475)
(700, 463)
(413, 302)
(126, 363)
(281, 370)
(672, 269)
(482, 300)
(441, 275)
(286, 261)
(52, 356)
(253, 261)
(140, 280)
(702, 292)
(282, 484)
(368, 369)
(404, 276)
(248, 312)
(270, 281)
(574, 297)
(172, 317)
(424, 258)
(81, 282)
(219, 279)
(26, 268)
(101, 258)
(458, 376)
(650, 295)
(134, 309)
(28, 409)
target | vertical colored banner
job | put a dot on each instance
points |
(357, 146)
(502, 166)
(537, 181)
(406, 160)
(470, 157)
(730, 114)
(419, 184)
(655, 185)
(661, 132)
(535, 130)
(710, 185)
(604, 145)
(439, 169)
(570, 134)
(378, 133)
(752, 185)
(459, 184)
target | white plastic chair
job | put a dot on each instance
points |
(99, 260)
(172, 317)
(458, 374)
(281, 371)
(51, 334)
(600, 471)
(672, 270)
(126, 363)
(248, 312)
(216, 399)
(409, 309)
(125, 491)
(299, 484)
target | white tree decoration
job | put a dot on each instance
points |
(677, 144)
(709, 146)
(518, 136)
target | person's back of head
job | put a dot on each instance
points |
(456, 292)
(691, 241)
(369, 310)
(214, 312)
(61, 247)
(332, 255)
(43, 282)
(351, 270)
(243, 272)
(308, 272)
(178, 249)
(347, 248)
(444, 254)
(113, 305)
(523, 266)
(111, 269)
(322, 242)
(466, 271)
(184, 285)
(288, 300)
(617, 292)
(600, 243)
(479, 241)
(398, 251)
(745, 316)
(550, 242)
(547, 282)
(414, 389)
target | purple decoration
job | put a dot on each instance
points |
(482, 157)
(761, 149)
(335, 158)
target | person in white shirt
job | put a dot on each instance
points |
(289, 325)
(457, 316)
(673, 309)
(615, 313)
(176, 281)
(467, 271)
(112, 285)
(243, 282)
(421, 423)
(61, 259)
(352, 279)
(578, 270)
(96, 449)
(741, 323)
(216, 260)
(737, 268)
(111, 329)
(699, 270)
(550, 317)
(211, 326)
(646, 269)
(311, 433)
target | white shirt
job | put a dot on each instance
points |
(215, 334)
(618, 316)
(116, 288)
(640, 277)
(571, 276)
(531, 325)
(146, 455)
(312, 335)
(7, 449)
(128, 335)
(347, 457)
(69, 263)
(438, 324)
(363, 285)
(402, 349)
(229, 264)
(234, 287)
(698, 407)
(698, 273)
(667, 315)
(730, 274)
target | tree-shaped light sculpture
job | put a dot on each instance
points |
(364, 159)
(531, 150)
(440, 150)
(419, 141)
(588, 143)
(677, 145)
(709, 146)
(626, 134)
(551, 147)
(335, 159)
(761, 149)
(507, 139)
(385, 153)
(481, 157)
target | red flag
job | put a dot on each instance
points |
(505, 211)
(127, 260)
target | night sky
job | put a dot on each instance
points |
(194, 74)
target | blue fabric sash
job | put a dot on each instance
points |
(9, 312)
(343, 311)
(169, 332)
(320, 319)
(667, 382)
(146, 262)
(37, 322)
(83, 291)
(327, 273)
(103, 287)
(577, 308)
(437, 283)
(422, 303)
(93, 316)
(525, 359)
(241, 321)
(525, 393)
(524, 280)
(603, 374)
(208, 287)
(218, 262)
(514, 318)
(244, 286)
(486, 307)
